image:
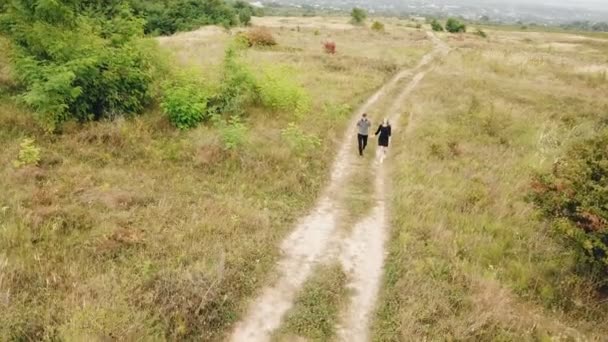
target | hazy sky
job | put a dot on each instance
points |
(589, 4)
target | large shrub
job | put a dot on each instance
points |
(79, 59)
(358, 16)
(245, 17)
(260, 36)
(185, 102)
(378, 26)
(436, 26)
(245, 11)
(238, 86)
(329, 47)
(169, 16)
(455, 26)
(575, 196)
(277, 90)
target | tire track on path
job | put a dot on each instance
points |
(314, 235)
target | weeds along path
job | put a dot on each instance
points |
(315, 236)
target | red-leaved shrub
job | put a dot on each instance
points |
(329, 47)
(260, 36)
(573, 195)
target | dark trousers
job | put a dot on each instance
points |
(362, 139)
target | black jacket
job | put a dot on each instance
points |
(385, 134)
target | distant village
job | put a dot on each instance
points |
(470, 10)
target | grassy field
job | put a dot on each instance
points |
(133, 230)
(469, 259)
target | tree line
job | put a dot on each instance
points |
(89, 59)
(586, 26)
(169, 16)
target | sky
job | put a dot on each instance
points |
(587, 4)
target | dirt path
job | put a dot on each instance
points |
(362, 254)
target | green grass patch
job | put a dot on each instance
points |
(359, 195)
(316, 310)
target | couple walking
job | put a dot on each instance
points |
(383, 132)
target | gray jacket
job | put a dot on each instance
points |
(363, 126)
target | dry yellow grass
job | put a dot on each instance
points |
(469, 259)
(134, 231)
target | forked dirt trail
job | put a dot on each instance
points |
(315, 236)
(363, 253)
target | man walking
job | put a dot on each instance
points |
(363, 131)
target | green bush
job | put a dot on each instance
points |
(233, 133)
(336, 112)
(79, 60)
(574, 195)
(245, 11)
(169, 16)
(29, 153)
(378, 26)
(358, 16)
(436, 26)
(185, 103)
(245, 17)
(278, 91)
(481, 33)
(455, 26)
(298, 140)
(238, 87)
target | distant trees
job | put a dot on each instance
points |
(358, 16)
(600, 27)
(436, 26)
(452, 25)
(587, 26)
(455, 26)
(169, 16)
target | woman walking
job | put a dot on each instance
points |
(384, 132)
